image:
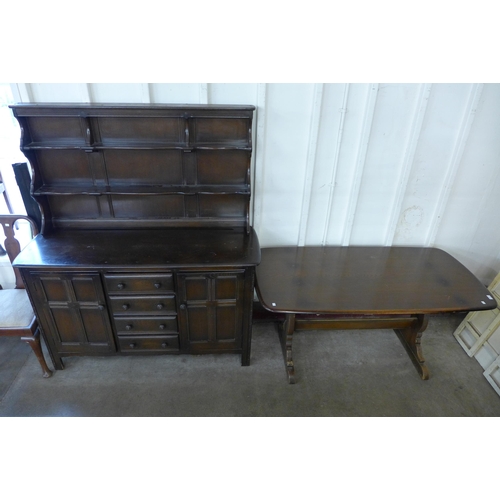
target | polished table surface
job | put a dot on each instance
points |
(367, 280)
(383, 287)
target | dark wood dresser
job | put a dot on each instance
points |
(145, 245)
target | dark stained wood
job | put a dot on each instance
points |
(330, 322)
(148, 344)
(72, 311)
(411, 339)
(365, 287)
(23, 180)
(144, 207)
(143, 249)
(145, 165)
(285, 334)
(211, 310)
(367, 280)
(155, 305)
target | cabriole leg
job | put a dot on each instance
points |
(35, 344)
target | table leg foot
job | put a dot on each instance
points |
(285, 333)
(411, 339)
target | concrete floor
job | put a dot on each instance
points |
(340, 373)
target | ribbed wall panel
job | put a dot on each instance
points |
(402, 164)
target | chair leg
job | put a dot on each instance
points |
(35, 344)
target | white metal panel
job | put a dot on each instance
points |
(470, 223)
(175, 93)
(360, 163)
(331, 126)
(454, 159)
(359, 111)
(232, 93)
(22, 92)
(392, 122)
(312, 148)
(285, 158)
(258, 185)
(117, 92)
(58, 92)
(418, 114)
(436, 144)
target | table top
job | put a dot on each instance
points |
(367, 280)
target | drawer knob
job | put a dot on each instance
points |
(159, 306)
(183, 306)
(128, 327)
(133, 345)
(162, 327)
(120, 286)
(157, 285)
(165, 344)
(125, 306)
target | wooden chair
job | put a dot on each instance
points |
(3, 191)
(16, 314)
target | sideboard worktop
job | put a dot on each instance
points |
(147, 248)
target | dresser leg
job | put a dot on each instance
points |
(410, 338)
(55, 358)
(285, 333)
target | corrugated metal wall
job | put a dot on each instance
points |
(356, 164)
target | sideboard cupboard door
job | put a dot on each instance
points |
(72, 310)
(211, 311)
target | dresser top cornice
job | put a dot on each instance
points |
(124, 109)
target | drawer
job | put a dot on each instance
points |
(139, 283)
(166, 343)
(134, 325)
(133, 304)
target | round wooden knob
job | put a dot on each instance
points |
(133, 345)
(128, 327)
(125, 306)
(159, 306)
(183, 306)
(162, 327)
(157, 285)
(165, 344)
(120, 286)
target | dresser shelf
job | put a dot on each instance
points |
(94, 190)
(240, 145)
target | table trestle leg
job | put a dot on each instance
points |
(410, 338)
(285, 332)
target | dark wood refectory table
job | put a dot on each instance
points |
(365, 287)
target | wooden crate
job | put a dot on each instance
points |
(479, 336)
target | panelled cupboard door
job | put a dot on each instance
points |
(72, 310)
(211, 310)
